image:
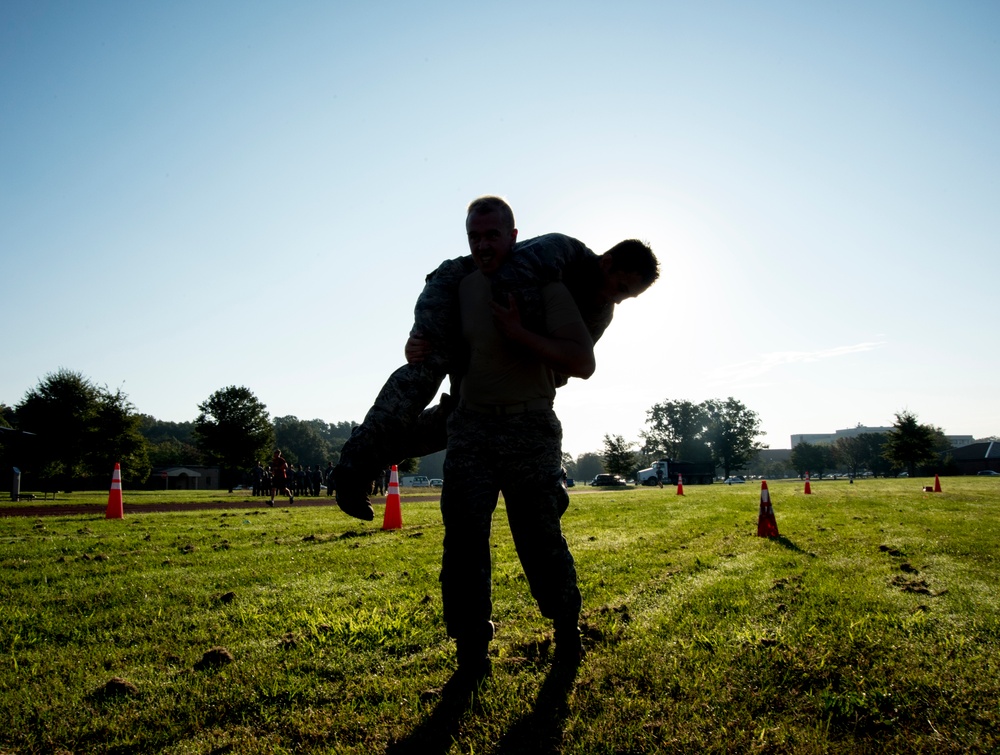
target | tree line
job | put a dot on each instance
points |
(67, 433)
(908, 447)
(726, 434)
(722, 432)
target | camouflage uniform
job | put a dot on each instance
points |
(519, 455)
(396, 427)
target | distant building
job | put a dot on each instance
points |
(957, 441)
(827, 438)
(977, 457)
(184, 478)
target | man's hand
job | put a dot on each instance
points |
(508, 319)
(416, 349)
(568, 350)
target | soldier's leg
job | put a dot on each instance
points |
(468, 500)
(405, 394)
(536, 498)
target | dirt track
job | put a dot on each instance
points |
(56, 509)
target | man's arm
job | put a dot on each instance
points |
(567, 350)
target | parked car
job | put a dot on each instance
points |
(570, 482)
(734, 480)
(436, 482)
(609, 480)
(988, 473)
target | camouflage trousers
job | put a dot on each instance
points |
(520, 456)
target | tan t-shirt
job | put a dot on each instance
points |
(502, 372)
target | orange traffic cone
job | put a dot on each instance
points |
(114, 510)
(808, 490)
(680, 484)
(766, 524)
(937, 484)
(393, 518)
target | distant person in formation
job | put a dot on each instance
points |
(279, 478)
(316, 479)
(258, 479)
(328, 478)
(300, 481)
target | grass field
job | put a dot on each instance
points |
(871, 625)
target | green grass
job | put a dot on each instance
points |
(132, 497)
(871, 625)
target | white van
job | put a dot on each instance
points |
(415, 481)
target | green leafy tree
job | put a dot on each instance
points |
(408, 466)
(171, 452)
(116, 437)
(156, 430)
(910, 444)
(171, 444)
(677, 431)
(234, 430)
(849, 454)
(300, 441)
(334, 433)
(589, 465)
(618, 456)
(60, 411)
(732, 434)
(773, 469)
(872, 458)
(569, 465)
(80, 431)
(814, 458)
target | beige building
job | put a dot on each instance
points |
(957, 441)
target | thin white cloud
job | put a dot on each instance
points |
(742, 371)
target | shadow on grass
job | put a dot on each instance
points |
(784, 542)
(436, 735)
(539, 731)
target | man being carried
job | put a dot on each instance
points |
(394, 427)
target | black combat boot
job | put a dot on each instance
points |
(569, 644)
(352, 493)
(474, 665)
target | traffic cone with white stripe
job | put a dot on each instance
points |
(393, 517)
(808, 490)
(767, 526)
(680, 484)
(114, 510)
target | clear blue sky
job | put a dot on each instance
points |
(195, 195)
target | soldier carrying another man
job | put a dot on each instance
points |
(398, 426)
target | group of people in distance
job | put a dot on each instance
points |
(507, 325)
(279, 476)
(296, 480)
